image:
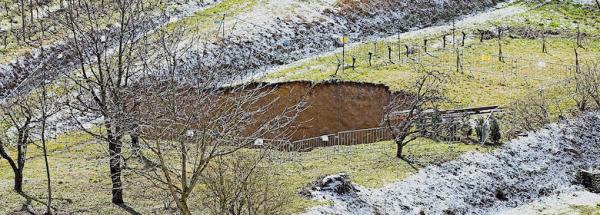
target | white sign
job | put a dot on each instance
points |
(258, 142)
(325, 138)
(542, 64)
(189, 133)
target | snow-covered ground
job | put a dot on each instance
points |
(562, 203)
(585, 1)
(501, 11)
(18, 73)
(276, 32)
(524, 176)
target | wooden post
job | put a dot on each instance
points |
(444, 41)
(353, 63)
(464, 37)
(343, 54)
(500, 54)
(223, 23)
(544, 50)
(407, 50)
(338, 67)
(399, 48)
(370, 57)
(425, 45)
(577, 67)
(458, 61)
(375, 48)
(454, 33)
(390, 54)
(579, 36)
(480, 36)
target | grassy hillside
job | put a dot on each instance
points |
(80, 182)
(80, 168)
(483, 79)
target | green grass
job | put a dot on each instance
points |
(485, 80)
(559, 15)
(586, 210)
(371, 165)
(207, 22)
(81, 183)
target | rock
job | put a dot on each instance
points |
(590, 179)
(339, 184)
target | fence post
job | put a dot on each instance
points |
(500, 55)
(453, 33)
(370, 57)
(577, 68)
(399, 48)
(579, 36)
(464, 36)
(480, 36)
(390, 54)
(458, 61)
(223, 22)
(375, 48)
(343, 54)
(353, 63)
(407, 50)
(544, 43)
(444, 41)
(425, 45)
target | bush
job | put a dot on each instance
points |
(495, 133)
(481, 130)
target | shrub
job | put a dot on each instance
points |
(481, 130)
(495, 133)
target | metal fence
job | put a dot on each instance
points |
(449, 131)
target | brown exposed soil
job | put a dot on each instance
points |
(334, 106)
(328, 107)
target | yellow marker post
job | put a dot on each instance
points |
(486, 58)
(344, 40)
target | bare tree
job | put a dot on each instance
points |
(106, 56)
(530, 113)
(240, 184)
(193, 120)
(588, 83)
(407, 114)
(587, 87)
(19, 115)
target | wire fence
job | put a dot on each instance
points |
(448, 130)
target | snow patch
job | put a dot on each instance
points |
(520, 172)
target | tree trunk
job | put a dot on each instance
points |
(19, 181)
(114, 147)
(183, 207)
(399, 150)
(135, 144)
(21, 158)
(15, 169)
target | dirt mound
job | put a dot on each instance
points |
(523, 170)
